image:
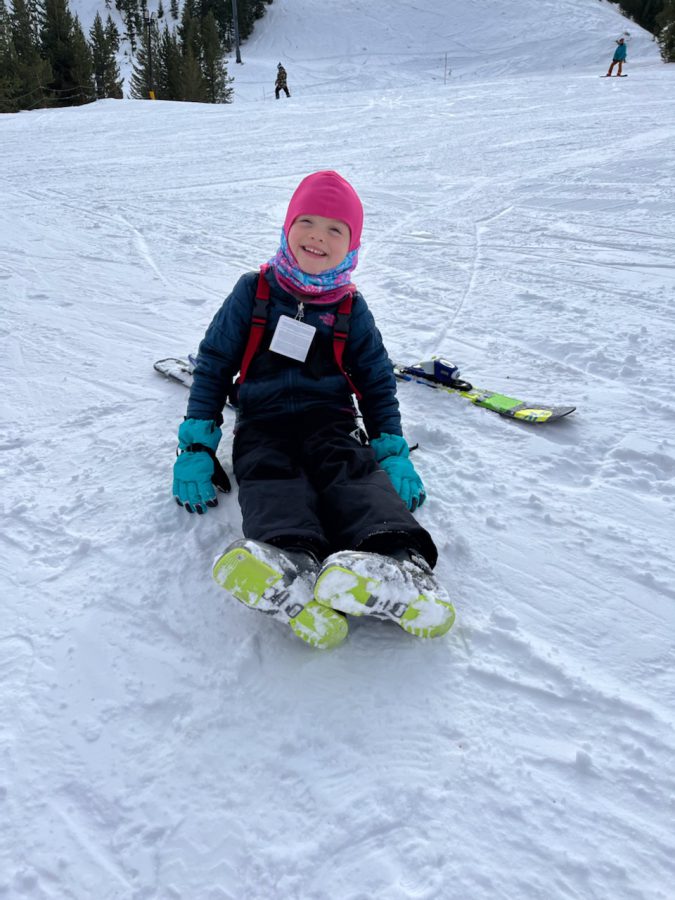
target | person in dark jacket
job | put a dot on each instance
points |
(619, 57)
(326, 510)
(281, 82)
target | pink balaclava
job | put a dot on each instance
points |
(321, 194)
(327, 194)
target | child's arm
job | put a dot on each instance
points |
(221, 352)
(373, 373)
(220, 355)
(374, 376)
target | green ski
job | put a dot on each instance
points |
(442, 375)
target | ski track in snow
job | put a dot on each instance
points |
(160, 742)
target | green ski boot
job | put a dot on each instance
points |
(404, 591)
(279, 583)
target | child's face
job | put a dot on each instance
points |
(318, 243)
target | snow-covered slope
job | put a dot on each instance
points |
(159, 741)
(340, 45)
(337, 46)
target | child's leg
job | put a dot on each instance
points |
(383, 567)
(620, 69)
(278, 503)
(279, 515)
(358, 506)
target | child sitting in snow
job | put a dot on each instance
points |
(327, 516)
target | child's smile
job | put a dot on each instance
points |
(318, 243)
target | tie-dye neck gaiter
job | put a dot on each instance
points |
(327, 287)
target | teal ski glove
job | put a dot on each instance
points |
(199, 431)
(392, 453)
(196, 470)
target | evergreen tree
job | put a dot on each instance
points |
(99, 52)
(174, 10)
(649, 12)
(665, 23)
(194, 85)
(112, 35)
(139, 84)
(9, 62)
(169, 67)
(644, 12)
(33, 73)
(133, 22)
(143, 72)
(23, 26)
(214, 66)
(188, 29)
(249, 11)
(113, 77)
(83, 65)
(58, 27)
(657, 16)
(104, 47)
(222, 13)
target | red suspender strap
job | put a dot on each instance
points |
(340, 335)
(258, 322)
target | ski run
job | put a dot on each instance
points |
(161, 742)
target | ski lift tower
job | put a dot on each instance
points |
(235, 26)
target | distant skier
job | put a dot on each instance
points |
(327, 516)
(280, 84)
(619, 57)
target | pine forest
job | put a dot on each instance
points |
(178, 51)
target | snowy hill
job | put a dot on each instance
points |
(338, 46)
(159, 742)
(341, 45)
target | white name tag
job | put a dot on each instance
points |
(292, 338)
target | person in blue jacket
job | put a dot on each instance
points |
(619, 57)
(326, 509)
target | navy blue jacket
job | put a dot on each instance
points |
(276, 386)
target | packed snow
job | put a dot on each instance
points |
(160, 741)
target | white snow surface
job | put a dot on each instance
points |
(160, 741)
